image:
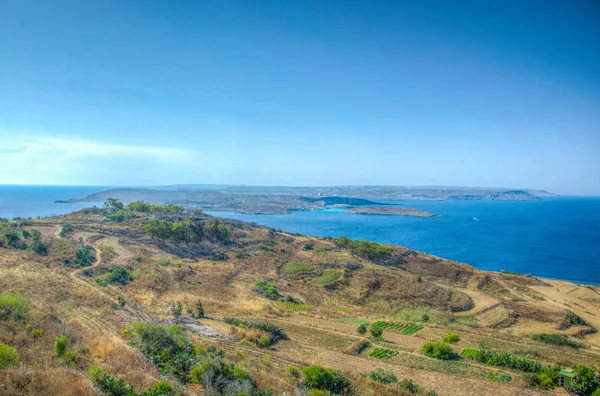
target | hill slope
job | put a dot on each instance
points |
(94, 274)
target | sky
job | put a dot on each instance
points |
(301, 92)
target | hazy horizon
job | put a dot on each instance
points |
(314, 93)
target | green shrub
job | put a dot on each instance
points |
(293, 372)
(556, 339)
(451, 338)
(408, 385)
(383, 376)
(218, 376)
(119, 387)
(84, 256)
(270, 328)
(361, 329)
(12, 306)
(117, 275)
(264, 341)
(61, 344)
(318, 377)
(166, 348)
(573, 319)
(365, 249)
(65, 230)
(438, 350)
(9, 357)
(376, 332)
(267, 289)
(216, 231)
(584, 382)
(504, 359)
(199, 310)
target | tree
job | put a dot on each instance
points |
(584, 382)
(199, 310)
(60, 345)
(361, 329)
(376, 332)
(318, 377)
(176, 309)
(438, 350)
(114, 203)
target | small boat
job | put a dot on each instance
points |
(475, 218)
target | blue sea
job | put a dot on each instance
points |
(556, 238)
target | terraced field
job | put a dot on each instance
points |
(404, 328)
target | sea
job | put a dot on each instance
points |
(556, 238)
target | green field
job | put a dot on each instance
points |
(354, 321)
(403, 328)
(383, 353)
(292, 306)
(329, 276)
(295, 267)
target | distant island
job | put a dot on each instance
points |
(283, 200)
(391, 210)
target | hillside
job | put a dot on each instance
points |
(126, 287)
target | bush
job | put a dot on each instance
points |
(383, 376)
(119, 387)
(318, 377)
(269, 290)
(584, 382)
(65, 230)
(361, 329)
(556, 339)
(573, 319)
(116, 276)
(504, 359)
(199, 310)
(216, 231)
(84, 256)
(376, 332)
(166, 348)
(219, 377)
(13, 306)
(264, 341)
(365, 249)
(438, 350)
(408, 385)
(61, 344)
(270, 328)
(451, 338)
(9, 357)
(293, 372)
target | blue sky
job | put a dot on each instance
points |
(301, 93)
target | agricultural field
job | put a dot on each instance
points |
(403, 328)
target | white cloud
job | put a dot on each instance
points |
(66, 147)
(60, 160)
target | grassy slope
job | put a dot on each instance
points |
(65, 300)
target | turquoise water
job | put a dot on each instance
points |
(556, 238)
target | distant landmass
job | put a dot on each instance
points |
(391, 210)
(282, 200)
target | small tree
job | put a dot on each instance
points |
(9, 357)
(438, 350)
(60, 345)
(199, 310)
(176, 309)
(361, 329)
(451, 338)
(584, 382)
(114, 203)
(376, 332)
